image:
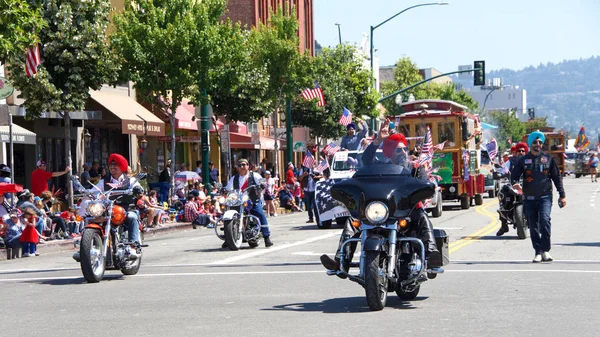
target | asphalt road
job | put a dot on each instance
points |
(189, 286)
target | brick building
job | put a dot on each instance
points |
(250, 12)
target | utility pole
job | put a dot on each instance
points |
(205, 123)
(339, 32)
(288, 130)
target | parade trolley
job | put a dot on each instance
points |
(458, 164)
(554, 146)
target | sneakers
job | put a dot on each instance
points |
(76, 256)
(211, 226)
(502, 230)
(275, 214)
(546, 257)
(310, 221)
(537, 258)
(25, 255)
(38, 254)
(268, 242)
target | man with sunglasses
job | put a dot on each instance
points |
(39, 177)
(244, 179)
(519, 151)
(538, 170)
(395, 149)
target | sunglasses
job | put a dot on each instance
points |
(400, 150)
(537, 142)
(521, 151)
(112, 164)
(240, 165)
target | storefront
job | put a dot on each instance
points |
(23, 143)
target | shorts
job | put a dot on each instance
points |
(268, 197)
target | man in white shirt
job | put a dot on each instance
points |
(242, 180)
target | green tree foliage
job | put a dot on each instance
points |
(345, 84)
(535, 124)
(19, 24)
(276, 49)
(406, 73)
(74, 53)
(509, 126)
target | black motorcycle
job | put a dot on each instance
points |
(380, 199)
(510, 208)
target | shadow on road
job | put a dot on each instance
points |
(343, 305)
(75, 280)
(499, 238)
(579, 244)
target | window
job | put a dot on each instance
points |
(404, 129)
(446, 133)
(252, 127)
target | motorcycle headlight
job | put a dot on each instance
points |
(221, 200)
(376, 212)
(232, 198)
(96, 209)
(245, 198)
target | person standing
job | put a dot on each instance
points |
(213, 173)
(594, 168)
(351, 141)
(290, 177)
(539, 171)
(309, 182)
(199, 167)
(39, 177)
(165, 174)
(85, 176)
(95, 172)
(269, 194)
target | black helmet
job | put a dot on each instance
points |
(137, 191)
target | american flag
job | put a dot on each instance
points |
(440, 146)
(310, 94)
(309, 160)
(323, 165)
(346, 117)
(331, 149)
(427, 147)
(492, 149)
(33, 61)
(509, 140)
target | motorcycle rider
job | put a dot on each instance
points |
(394, 148)
(539, 170)
(520, 150)
(244, 179)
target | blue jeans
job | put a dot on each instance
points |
(132, 223)
(40, 225)
(311, 206)
(257, 211)
(538, 218)
(29, 248)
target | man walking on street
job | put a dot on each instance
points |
(539, 170)
(309, 182)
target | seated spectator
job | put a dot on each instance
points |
(4, 206)
(192, 213)
(14, 229)
(145, 207)
(57, 223)
(71, 219)
(286, 200)
(209, 211)
(152, 196)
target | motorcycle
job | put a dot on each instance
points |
(380, 199)
(237, 224)
(510, 204)
(104, 243)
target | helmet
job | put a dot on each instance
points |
(137, 191)
(5, 169)
(118, 215)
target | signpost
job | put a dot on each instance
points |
(6, 88)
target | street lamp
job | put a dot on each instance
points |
(379, 25)
(398, 101)
(404, 10)
(87, 137)
(143, 143)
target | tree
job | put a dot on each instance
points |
(406, 73)
(19, 24)
(166, 46)
(75, 59)
(509, 126)
(345, 83)
(535, 124)
(277, 49)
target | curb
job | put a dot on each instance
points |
(66, 245)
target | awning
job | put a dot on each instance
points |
(135, 119)
(20, 135)
(185, 116)
(244, 141)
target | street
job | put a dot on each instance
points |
(189, 286)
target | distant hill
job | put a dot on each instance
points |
(568, 93)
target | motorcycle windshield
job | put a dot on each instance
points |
(392, 184)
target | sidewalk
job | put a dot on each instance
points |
(69, 244)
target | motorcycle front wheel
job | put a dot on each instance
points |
(92, 261)
(521, 223)
(233, 236)
(376, 282)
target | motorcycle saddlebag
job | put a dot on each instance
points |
(442, 240)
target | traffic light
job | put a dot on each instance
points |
(531, 112)
(479, 75)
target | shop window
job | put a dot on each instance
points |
(404, 129)
(446, 133)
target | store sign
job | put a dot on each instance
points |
(225, 140)
(132, 127)
(299, 147)
(6, 88)
(180, 139)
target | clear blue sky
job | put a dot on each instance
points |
(506, 34)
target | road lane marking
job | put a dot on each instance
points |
(294, 272)
(273, 249)
(491, 227)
